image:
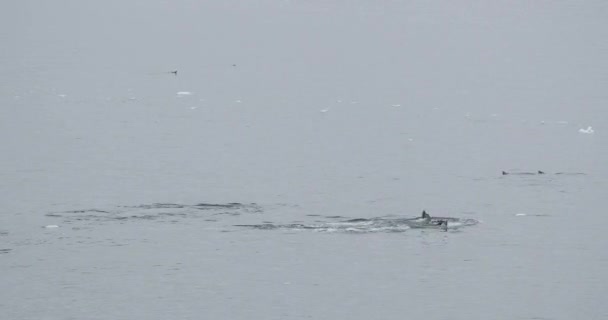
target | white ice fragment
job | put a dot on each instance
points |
(324, 110)
(520, 214)
(238, 101)
(395, 105)
(62, 95)
(184, 93)
(589, 130)
(192, 108)
(51, 226)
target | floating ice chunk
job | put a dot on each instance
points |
(238, 101)
(395, 105)
(62, 95)
(51, 226)
(589, 130)
(324, 110)
(521, 214)
(192, 108)
(184, 93)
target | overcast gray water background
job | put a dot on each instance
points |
(302, 112)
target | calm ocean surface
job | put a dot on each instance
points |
(270, 177)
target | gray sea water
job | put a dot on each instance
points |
(271, 177)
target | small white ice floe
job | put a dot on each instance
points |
(192, 108)
(521, 214)
(62, 95)
(51, 226)
(184, 93)
(238, 101)
(589, 130)
(324, 110)
(395, 105)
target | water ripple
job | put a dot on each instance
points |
(156, 211)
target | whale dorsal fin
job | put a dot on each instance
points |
(425, 215)
(504, 173)
(540, 172)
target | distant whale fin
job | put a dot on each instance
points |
(425, 215)
(504, 173)
(540, 172)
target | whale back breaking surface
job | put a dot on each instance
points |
(371, 225)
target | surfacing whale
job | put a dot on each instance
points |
(380, 224)
(539, 172)
(523, 173)
(426, 221)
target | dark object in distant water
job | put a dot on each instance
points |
(174, 72)
(504, 173)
